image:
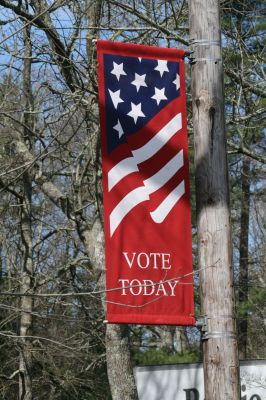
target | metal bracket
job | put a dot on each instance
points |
(194, 60)
(219, 335)
(204, 42)
(203, 325)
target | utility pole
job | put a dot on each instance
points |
(220, 359)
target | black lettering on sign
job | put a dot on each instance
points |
(253, 397)
(191, 394)
(243, 388)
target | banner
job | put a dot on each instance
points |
(145, 184)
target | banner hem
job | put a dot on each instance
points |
(150, 319)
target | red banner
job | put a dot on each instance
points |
(145, 184)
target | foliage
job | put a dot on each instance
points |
(160, 357)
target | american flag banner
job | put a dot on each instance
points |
(147, 223)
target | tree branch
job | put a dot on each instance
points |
(245, 84)
(61, 57)
(150, 22)
(243, 150)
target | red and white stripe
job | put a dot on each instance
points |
(150, 150)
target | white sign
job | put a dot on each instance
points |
(185, 381)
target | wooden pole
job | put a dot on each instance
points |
(220, 359)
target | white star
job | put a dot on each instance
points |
(119, 129)
(140, 58)
(139, 81)
(176, 82)
(116, 99)
(159, 95)
(136, 112)
(161, 67)
(118, 70)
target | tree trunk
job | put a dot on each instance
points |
(181, 340)
(166, 334)
(213, 219)
(1, 264)
(119, 368)
(243, 258)
(26, 304)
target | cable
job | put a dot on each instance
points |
(92, 293)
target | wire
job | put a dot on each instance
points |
(94, 292)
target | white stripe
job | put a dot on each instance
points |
(156, 181)
(129, 165)
(159, 140)
(120, 170)
(140, 194)
(168, 203)
(128, 202)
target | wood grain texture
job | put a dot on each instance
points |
(221, 370)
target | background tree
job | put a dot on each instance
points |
(245, 39)
(51, 236)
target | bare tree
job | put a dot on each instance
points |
(51, 235)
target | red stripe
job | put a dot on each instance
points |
(146, 133)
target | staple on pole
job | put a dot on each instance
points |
(194, 60)
(204, 42)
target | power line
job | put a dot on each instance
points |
(95, 292)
